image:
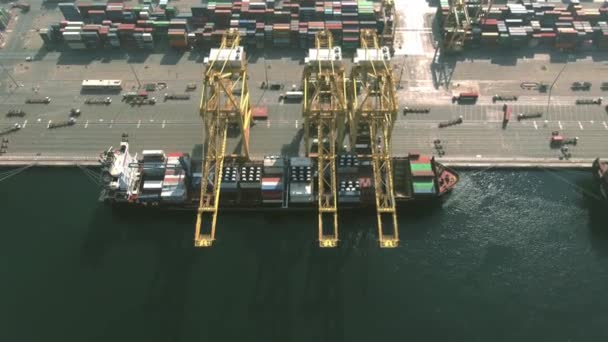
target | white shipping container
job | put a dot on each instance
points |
(153, 185)
(72, 36)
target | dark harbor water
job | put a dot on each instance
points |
(512, 256)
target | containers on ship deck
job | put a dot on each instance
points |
(229, 185)
(300, 180)
(250, 185)
(174, 181)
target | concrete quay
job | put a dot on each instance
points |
(456, 163)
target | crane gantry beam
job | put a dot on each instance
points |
(373, 114)
(220, 108)
(324, 111)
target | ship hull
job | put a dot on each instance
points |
(600, 174)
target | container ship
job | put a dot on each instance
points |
(167, 180)
(600, 173)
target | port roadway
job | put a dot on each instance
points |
(480, 141)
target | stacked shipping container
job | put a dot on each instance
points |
(261, 23)
(532, 24)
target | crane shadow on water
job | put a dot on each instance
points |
(166, 295)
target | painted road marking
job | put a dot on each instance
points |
(267, 123)
(49, 124)
(24, 123)
(86, 124)
(100, 120)
(296, 123)
(560, 125)
(605, 125)
(591, 122)
(535, 126)
(580, 125)
(164, 123)
(111, 123)
(138, 123)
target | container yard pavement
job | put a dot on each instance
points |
(176, 125)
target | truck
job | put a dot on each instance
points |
(506, 115)
(98, 100)
(11, 129)
(423, 110)
(15, 112)
(143, 101)
(38, 100)
(525, 116)
(272, 86)
(74, 112)
(597, 101)
(294, 96)
(581, 86)
(452, 122)
(504, 98)
(467, 97)
(177, 96)
(66, 123)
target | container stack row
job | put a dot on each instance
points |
(533, 24)
(300, 180)
(261, 23)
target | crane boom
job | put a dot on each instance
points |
(324, 111)
(373, 113)
(220, 107)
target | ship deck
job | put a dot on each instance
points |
(176, 126)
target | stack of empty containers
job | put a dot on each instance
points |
(250, 185)
(348, 176)
(300, 180)
(229, 186)
(272, 181)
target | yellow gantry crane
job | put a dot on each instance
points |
(372, 117)
(221, 106)
(324, 111)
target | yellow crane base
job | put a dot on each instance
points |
(328, 242)
(203, 241)
(389, 242)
